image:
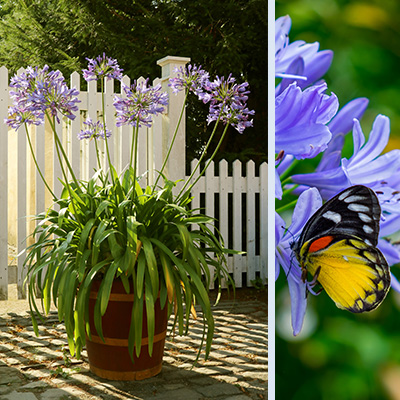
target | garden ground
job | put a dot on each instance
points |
(40, 368)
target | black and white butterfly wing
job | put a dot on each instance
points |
(355, 212)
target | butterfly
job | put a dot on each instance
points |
(337, 246)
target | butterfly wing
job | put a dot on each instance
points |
(339, 244)
(353, 212)
(355, 275)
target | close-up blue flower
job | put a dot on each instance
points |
(301, 118)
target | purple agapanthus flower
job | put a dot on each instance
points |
(228, 102)
(340, 125)
(308, 203)
(191, 78)
(20, 115)
(299, 61)
(140, 104)
(301, 119)
(102, 67)
(367, 166)
(94, 130)
(37, 91)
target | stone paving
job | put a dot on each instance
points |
(40, 368)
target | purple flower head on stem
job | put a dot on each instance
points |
(102, 67)
(37, 91)
(17, 116)
(228, 102)
(140, 104)
(191, 78)
(94, 130)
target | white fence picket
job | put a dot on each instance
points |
(251, 188)
(4, 187)
(74, 127)
(263, 220)
(21, 208)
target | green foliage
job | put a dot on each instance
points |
(116, 230)
(224, 37)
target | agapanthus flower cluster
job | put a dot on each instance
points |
(94, 130)
(228, 103)
(192, 78)
(102, 67)
(38, 91)
(308, 123)
(227, 99)
(140, 104)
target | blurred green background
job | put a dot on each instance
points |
(338, 355)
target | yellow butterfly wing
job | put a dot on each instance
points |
(354, 274)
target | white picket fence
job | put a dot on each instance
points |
(23, 192)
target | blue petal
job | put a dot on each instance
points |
(298, 299)
(342, 122)
(295, 68)
(303, 141)
(377, 141)
(307, 204)
(329, 182)
(278, 186)
(395, 283)
(391, 253)
(379, 169)
(333, 154)
(317, 68)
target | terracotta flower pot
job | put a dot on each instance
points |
(111, 359)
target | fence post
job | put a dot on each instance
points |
(175, 168)
(4, 186)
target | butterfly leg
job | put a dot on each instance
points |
(315, 277)
(314, 282)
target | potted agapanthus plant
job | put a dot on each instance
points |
(116, 258)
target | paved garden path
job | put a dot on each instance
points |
(40, 368)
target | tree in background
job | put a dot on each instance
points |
(225, 36)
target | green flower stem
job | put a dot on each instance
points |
(200, 159)
(286, 206)
(97, 153)
(288, 191)
(37, 165)
(172, 141)
(206, 166)
(134, 152)
(60, 147)
(289, 170)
